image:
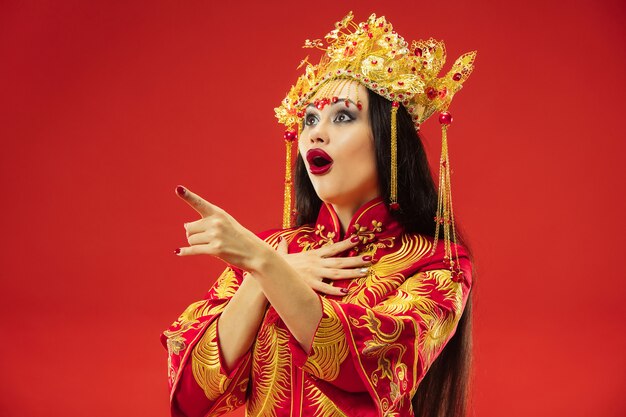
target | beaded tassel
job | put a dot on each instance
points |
(290, 137)
(444, 217)
(393, 200)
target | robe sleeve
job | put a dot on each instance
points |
(386, 349)
(200, 384)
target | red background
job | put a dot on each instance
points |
(107, 106)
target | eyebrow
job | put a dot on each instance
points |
(341, 100)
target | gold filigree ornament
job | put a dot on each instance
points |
(406, 74)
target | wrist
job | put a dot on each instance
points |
(260, 260)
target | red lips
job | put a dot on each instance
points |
(319, 161)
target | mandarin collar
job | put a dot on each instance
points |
(372, 221)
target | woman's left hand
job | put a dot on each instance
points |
(218, 234)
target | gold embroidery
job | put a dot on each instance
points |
(389, 354)
(367, 235)
(272, 239)
(271, 369)
(224, 286)
(439, 318)
(321, 405)
(330, 347)
(307, 240)
(205, 364)
(383, 276)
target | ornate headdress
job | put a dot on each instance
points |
(373, 54)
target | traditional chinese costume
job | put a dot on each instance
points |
(372, 346)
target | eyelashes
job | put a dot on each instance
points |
(341, 116)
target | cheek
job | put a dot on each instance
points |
(361, 159)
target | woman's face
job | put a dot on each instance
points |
(337, 146)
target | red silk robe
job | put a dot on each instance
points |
(370, 351)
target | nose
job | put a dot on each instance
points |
(318, 134)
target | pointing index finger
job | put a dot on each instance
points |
(203, 207)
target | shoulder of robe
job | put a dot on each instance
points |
(436, 260)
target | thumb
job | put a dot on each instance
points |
(283, 246)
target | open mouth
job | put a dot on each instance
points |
(319, 161)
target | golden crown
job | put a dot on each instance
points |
(373, 54)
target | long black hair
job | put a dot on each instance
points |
(444, 390)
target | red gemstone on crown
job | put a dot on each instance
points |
(395, 104)
(431, 93)
(445, 118)
(456, 77)
(418, 52)
(290, 135)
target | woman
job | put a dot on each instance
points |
(344, 313)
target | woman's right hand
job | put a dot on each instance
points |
(313, 266)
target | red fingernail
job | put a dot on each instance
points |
(280, 239)
(180, 190)
(177, 251)
(344, 290)
(354, 239)
(367, 258)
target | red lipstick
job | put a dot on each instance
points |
(319, 161)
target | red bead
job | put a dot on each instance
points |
(456, 77)
(359, 105)
(335, 99)
(431, 93)
(390, 70)
(394, 206)
(457, 276)
(374, 62)
(290, 135)
(445, 118)
(418, 52)
(395, 104)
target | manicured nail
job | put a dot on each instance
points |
(344, 290)
(180, 190)
(280, 239)
(367, 258)
(354, 239)
(177, 251)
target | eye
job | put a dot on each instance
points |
(343, 117)
(310, 119)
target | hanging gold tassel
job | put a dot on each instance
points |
(290, 137)
(444, 217)
(393, 199)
